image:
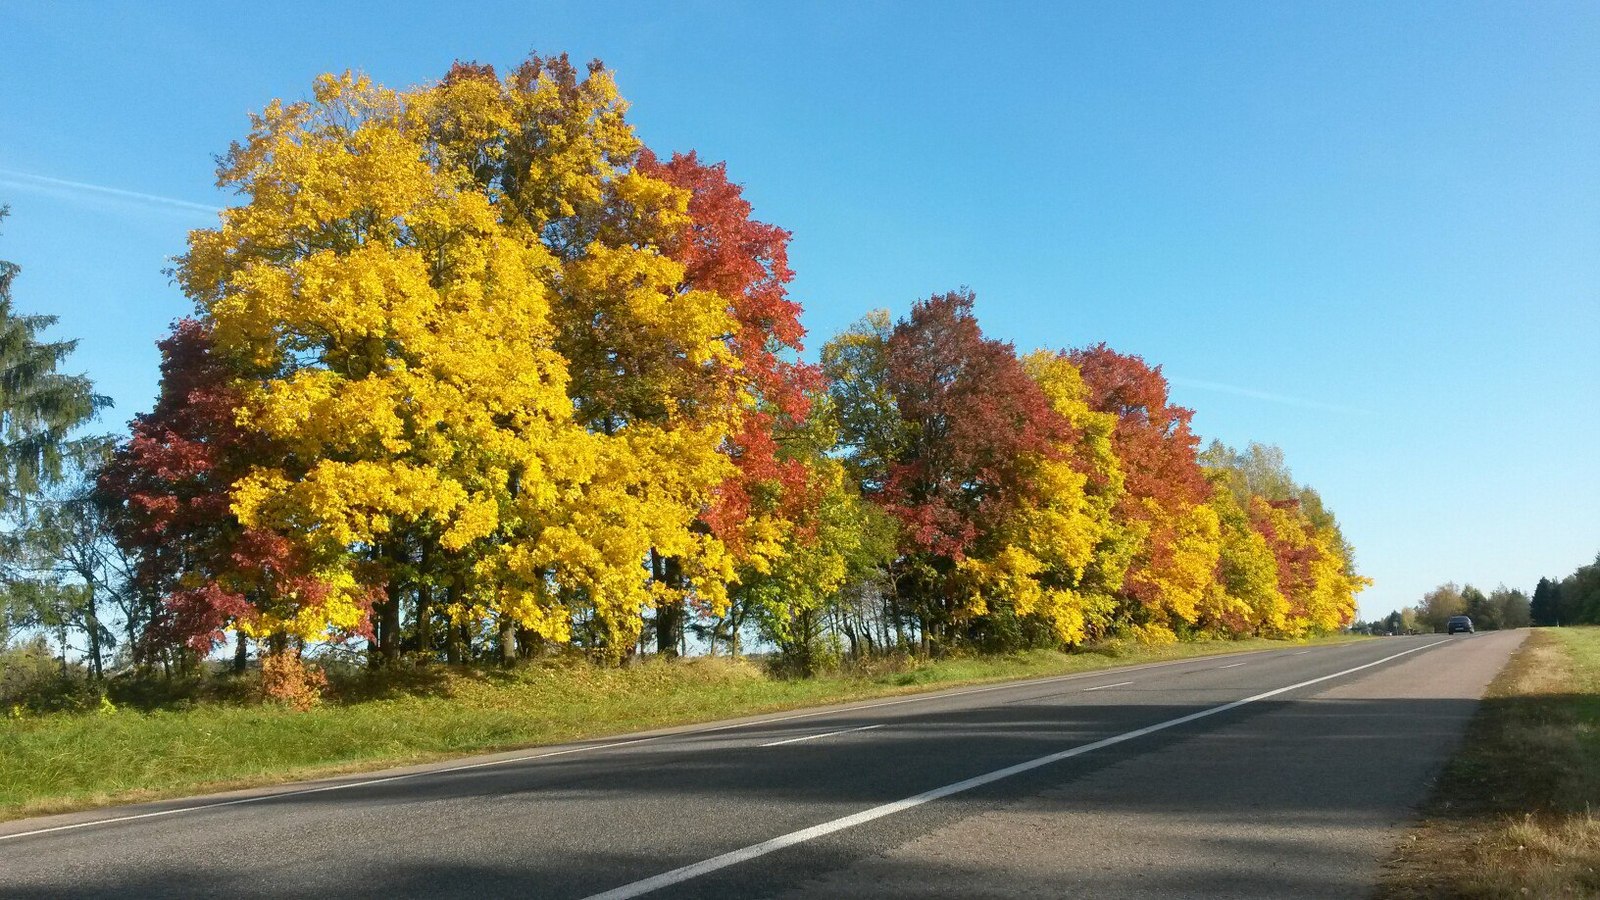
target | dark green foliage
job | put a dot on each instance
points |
(1484, 614)
(1574, 600)
(1580, 595)
(1546, 602)
(34, 680)
(1511, 607)
(39, 407)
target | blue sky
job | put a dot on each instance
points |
(1368, 233)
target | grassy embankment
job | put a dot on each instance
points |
(1517, 811)
(61, 762)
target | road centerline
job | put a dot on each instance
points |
(793, 838)
(1104, 686)
(1234, 666)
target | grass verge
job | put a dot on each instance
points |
(1516, 813)
(62, 762)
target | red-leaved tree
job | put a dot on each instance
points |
(1158, 453)
(168, 492)
(747, 261)
(971, 415)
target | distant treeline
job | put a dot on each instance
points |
(1574, 600)
(1501, 608)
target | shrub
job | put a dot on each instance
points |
(286, 679)
(33, 679)
(1152, 635)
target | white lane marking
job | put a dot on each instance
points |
(812, 737)
(1301, 653)
(920, 698)
(1104, 686)
(1234, 666)
(707, 866)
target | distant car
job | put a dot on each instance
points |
(1458, 623)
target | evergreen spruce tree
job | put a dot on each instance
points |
(39, 406)
(1545, 607)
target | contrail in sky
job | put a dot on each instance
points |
(1264, 395)
(26, 180)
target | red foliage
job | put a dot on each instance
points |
(726, 251)
(972, 414)
(1293, 557)
(168, 491)
(196, 616)
(1157, 449)
(466, 70)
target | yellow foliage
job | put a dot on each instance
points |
(1182, 583)
(1152, 634)
(1098, 575)
(402, 330)
(1321, 592)
(1060, 554)
(1245, 595)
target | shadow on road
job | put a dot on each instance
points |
(1286, 790)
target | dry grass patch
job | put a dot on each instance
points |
(1514, 814)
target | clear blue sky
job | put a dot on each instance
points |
(1368, 233)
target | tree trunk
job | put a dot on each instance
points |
(425, 622)
(375, 645)
(390, 638)
(453, 634)
(669, 614)
(508, 640)
(92, 619)
(529, 643)
(241, 653)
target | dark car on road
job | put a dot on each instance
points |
(1458, 623)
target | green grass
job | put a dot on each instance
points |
(1517, 811)
(61, 762)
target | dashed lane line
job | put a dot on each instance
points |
(812, 737)
(1104, 686)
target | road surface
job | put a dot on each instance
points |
(1276, 774)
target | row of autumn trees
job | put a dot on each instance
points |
(475, 374)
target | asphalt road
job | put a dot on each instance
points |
(1277, 774)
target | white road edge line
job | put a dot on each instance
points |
(812, 737)
(1300, 653)
(1234, 666)
(744, 854)
(318, 790)
(1104, 686)
(920, 698)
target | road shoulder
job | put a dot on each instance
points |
(1512, 813)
